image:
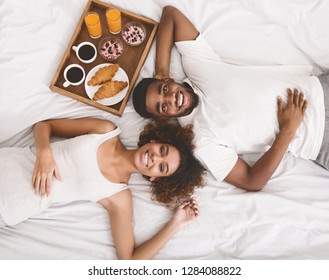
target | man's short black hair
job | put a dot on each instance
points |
(139, 97)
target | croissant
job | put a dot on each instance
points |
(103, 74)
(109, 89)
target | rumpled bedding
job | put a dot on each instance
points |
(286, 220)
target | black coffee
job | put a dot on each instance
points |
(86, 52)
(74, 75)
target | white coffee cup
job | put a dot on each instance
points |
(74, 75)
(86, 52)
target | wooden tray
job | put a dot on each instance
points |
(131, 60)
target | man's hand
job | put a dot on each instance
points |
(256, 177)
(291, 116)
(165, 78)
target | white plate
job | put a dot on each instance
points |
(120, 75)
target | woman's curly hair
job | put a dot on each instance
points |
(189, 174)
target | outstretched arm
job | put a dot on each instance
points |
(256, 177)
(119, 207)
(173, 27)
(45, 166)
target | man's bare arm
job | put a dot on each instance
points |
(173, 27)
(256, 177)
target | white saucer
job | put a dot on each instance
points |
(120, 75)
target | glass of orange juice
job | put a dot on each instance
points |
(113, 17)
(93, 24)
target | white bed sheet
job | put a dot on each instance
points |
(287, 220)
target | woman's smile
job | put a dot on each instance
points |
(157, 159)
(146, 158)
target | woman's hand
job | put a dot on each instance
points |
(185, 213)
(44, 169)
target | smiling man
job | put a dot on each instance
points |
(236, 109)
(168, 99)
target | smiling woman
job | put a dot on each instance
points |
(157, 159)
(94, 165)
(172, 137)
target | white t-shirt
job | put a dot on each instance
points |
(237, 113)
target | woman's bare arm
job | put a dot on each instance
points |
(45, 166)
(119, 207)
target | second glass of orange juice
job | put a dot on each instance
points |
(93, 25)
(113, 17)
